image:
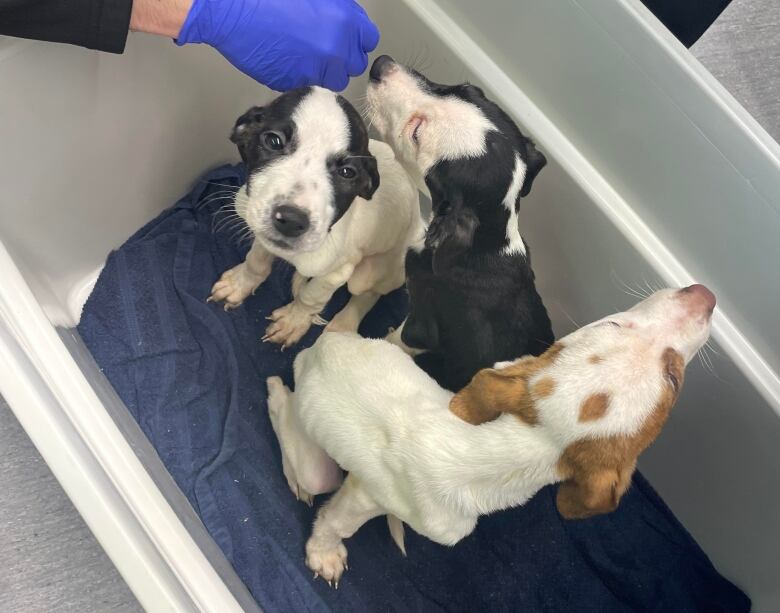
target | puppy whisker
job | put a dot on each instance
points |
(226, 199)
(652, 287)
(226, 224)
(709, 345)
(218, 184)
(219, 194)
(569, 317)
(624, 287)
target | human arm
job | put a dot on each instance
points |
(281, 43)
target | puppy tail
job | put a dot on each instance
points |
(397, 532)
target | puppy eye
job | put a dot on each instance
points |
(610, 323)
(416, 133)
(347, 172)
(274, 141)
(673, 381)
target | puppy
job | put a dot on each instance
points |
(311, 172)
(581, 413)
(472, 291)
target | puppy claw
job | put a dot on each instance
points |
(336, 584)
(316, 575)
(288, 325)
(327, 561)
(318, 320)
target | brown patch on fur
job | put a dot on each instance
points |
(597, 472)
(492, 392)
(594, 407)
(595, 359)
(543, 388)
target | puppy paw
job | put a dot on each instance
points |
(235, 285)
(288, 325)
(326, 562)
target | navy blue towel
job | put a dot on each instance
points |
(193, 376)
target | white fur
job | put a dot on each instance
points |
(301, 178)
(515, 242)
(365, 248)
(370, 408)
(451, 128)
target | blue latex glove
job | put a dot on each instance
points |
(286, 43)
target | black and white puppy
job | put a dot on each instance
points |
(473, 295)
(311, 171)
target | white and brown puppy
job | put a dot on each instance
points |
(581, 413)
(311, 173)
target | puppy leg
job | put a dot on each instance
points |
(348, 319)
(375, 276)
(298, 281)
(278, 407)
(340, 518)
(308, 469)
(291, 322)
(394, 337)
(240, 281)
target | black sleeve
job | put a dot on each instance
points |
(95, 24)
(687, 19)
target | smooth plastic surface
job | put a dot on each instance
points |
(656, 176)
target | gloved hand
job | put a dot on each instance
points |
(286, 43)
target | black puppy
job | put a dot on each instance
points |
(473, 297)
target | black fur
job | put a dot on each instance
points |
(253, 127)
(472, 305)
(481, 311)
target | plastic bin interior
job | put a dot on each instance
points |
(656, 176)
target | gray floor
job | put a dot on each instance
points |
(742, 50)
(49, 561)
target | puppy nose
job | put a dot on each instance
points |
(381, 66)
(290, 221)
(701, 295)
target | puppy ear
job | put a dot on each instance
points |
(492, 392)
(450, 235)
(534, 162)
(484, 398)
(370, 180)
(475, 90)
(593, 492)
(245, 127)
